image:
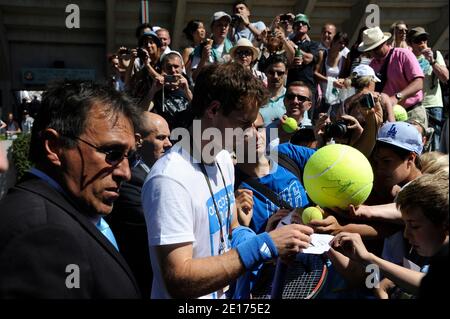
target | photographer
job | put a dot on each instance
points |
(285, 22)
(359, 126)
(241, 25)
(144, 65)
(170, 97)
(364, 80)
(215, 49)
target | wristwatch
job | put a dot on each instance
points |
(399, 96)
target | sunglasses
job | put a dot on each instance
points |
(279, 73)
(420, 39)
(402, 30)
(300, 24)
(301, 98)
(114, 156)
(244, 52)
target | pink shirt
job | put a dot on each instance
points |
(403, 68)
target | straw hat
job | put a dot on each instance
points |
(372, 38)
(245, 43)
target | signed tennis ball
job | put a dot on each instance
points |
(338, 175)
(290, 125)
(400, 113)
(311, 213)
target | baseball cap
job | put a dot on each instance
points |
(302, 18)
(415, 33)
(219, 15)
(152, 35)
(365, 70)
(402, 135)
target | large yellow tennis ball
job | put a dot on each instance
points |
(400, 113)
(290, 125)
(311, 213)
(338, 175)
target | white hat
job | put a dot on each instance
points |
(245, 43)
(219, 15)
(372, 38)
(365, 70)
(401, 134)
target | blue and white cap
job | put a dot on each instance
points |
(401, 134)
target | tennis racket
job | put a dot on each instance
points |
(303, 279)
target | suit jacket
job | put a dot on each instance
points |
(48, 248)
(128, 224)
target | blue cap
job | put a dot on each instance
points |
(152, 35)
(401, 134)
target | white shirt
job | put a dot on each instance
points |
(178, 208)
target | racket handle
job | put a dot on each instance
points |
(278, 280)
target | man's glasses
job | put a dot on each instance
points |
(114, 156)
(279, 73)
(420, 39)
(301, 98)
(300, 24)
(244, 52)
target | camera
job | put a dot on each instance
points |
(367, 101)
(124, 51)
(235, 19)
(168, 78)
(337, 129)
(285, 18)
(141, 54)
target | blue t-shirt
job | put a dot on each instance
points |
(273, 110)
(284, 183)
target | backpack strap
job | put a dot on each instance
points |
(290, 165)
(433, 81)
(379, 86)
(267, 192)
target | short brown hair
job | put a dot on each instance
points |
(428, 192)
(231, 84)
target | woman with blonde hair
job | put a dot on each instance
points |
(434, 162)
(399, 30)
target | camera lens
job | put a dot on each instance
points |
(337, 129)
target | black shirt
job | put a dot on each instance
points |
(305, 72)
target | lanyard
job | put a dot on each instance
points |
(222, 238)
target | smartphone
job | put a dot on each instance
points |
(368, 101)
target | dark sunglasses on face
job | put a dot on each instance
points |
(244, 52)
(279, 73)
(402, 30)
(301, 98)
(299, 24)
(420, 39)
(114, 156)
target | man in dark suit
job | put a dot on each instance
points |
(127, 218)
(54, 242)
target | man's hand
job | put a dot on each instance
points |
(273, 220)
(352, 246)
(329, 225)
(245, 20)
(291, 239)
(354, 126)
(244, 205)
(385, 286)
(428, 54)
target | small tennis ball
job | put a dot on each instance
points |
(400, 113)
(311, 213)
(290, 125)
(338, 175)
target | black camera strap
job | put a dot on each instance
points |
(382, 75)
(291, 166)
